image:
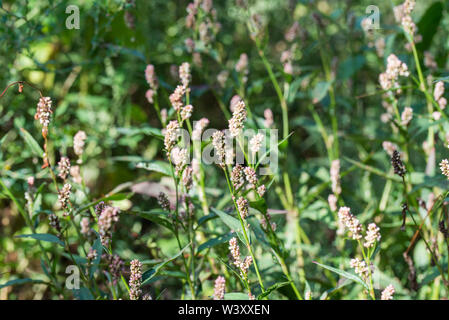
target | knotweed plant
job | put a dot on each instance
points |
(367, 244)
(225, 150)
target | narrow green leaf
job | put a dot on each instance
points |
(373, 170)
(431, 275)
(147, 130)
(350, 66)
(229, 220)
(215, 241)
(156, 216)
(113, 197)
(157, 166)
(83, 294)
(236, 296)
(445, 79)
(233, 223)
(150, 274)
(428, 25)
(42, 237)
(272, 149)
(320, 91)
(294, 87)
(260, 205)
(76, 258)
(44, 267)
(19, 281)
(31, 142)
(326, 294)
(344, 274)
(204, 219)
(272, 288)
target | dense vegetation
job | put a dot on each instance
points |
(95, 181)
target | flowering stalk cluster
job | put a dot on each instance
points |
(389, 147)
(243, 207)
(202, 19)
(360, 268)
(444, 167)
(184, 174)
(179, 157)
(76, 174)
(171, 136)
(335, 177)
(256, 142)
(198, 129)
(108, 218)
(288, 55)
(91, 256)
(238, 118)
(350, 222)
(268, 115)
(403, 15)
(64, 167)
(237, 176)
(43, 113)
(243, 266)
(406, 116)
(242, 67)
(85, 228)
(218, 142)
(150, 77)
(163, 201)
(387, 293)
(176, 98)
(64, 198)
(219, 288)
(438, 95)
(135, 280)
(336, 188)
(395, 68)
(372, 237)
(115, 266)
(78, 143)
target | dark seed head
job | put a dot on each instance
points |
(397, 163)
(99, 208)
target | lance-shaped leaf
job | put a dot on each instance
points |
(150, 274)
(344, 274)
(42, 237)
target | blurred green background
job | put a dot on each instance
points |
(95, 76)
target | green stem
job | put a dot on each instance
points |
(245, 235)
(278, 90)
(333, 112)
(367, 259)
(175, 231)
(422, 87)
